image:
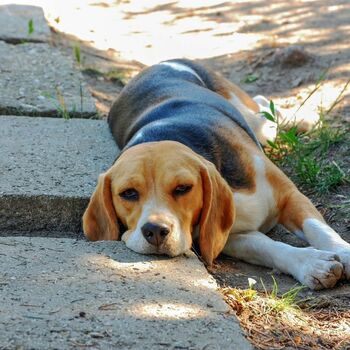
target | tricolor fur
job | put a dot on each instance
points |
(191, 168)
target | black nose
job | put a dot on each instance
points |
(155, 233)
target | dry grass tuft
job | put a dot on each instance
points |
(303, 324)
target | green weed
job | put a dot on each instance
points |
(307, 154)
(243, 295)
(117, 75)
(270, 302)
(30, 27)
(250, 78)
(60, 104)
(62, 108)
(77, 54)
(286, 301)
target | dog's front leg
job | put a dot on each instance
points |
(302, 218)
(314, 268)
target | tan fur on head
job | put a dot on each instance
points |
(155, 170)
(100, 218)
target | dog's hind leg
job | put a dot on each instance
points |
(303, 118)
(298, 215)
(302, 218)
(263, 128)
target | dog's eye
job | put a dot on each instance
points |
(130, 194)
(182, 189)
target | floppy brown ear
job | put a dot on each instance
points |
(218, 213)
(100, 218)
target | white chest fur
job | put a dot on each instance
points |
(256, 211)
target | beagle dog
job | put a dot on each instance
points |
(191, 168)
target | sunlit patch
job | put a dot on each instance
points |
(207, 283)
(109, 263)
(168, 311)
(147, 31)
(155, 30)
(307, 105)
(323, 98)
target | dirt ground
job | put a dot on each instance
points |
(248, 42)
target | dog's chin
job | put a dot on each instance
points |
(138, 244)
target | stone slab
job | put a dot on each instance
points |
(69, 294)
(49, 169)
(39, 80)
(14, 26)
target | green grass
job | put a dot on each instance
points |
(243, 295)
(77, 54)
(275, 320)
(60, 104)
(61, 108)
(287, 300)
(308, 155)
(250, 78)
(117, 75)
(274, 302)
(114, 75)
(30, 27)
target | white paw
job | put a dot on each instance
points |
(319, 269)
(344, 255)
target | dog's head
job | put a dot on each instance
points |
(160, 191)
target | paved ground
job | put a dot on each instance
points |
(68, 294)
(23, 24)
(246, 41)
(63, 293)
(49, 170)
(38, 80)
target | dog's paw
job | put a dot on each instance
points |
(344, 254)
(320, 269)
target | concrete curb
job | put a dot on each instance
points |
(67, 294)
(38, 80)
(16, 29)
(45, 215)
(49, 169)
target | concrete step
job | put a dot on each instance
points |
(16, 27)
(68, 294)
(48, 171)
(39, 80)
